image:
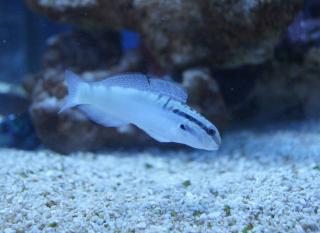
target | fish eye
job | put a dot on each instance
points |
(182, 126)
(211, 132)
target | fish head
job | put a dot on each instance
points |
(199, 137)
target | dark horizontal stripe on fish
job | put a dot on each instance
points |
(159, 96)
(166, 104)
(209, 131)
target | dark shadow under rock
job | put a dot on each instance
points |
(286, 90)
(83, 50)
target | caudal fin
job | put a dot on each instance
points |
(72, 81)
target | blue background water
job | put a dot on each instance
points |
(22, 39)
(23, 36)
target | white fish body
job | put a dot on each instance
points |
(155, 106)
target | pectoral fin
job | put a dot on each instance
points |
(156, 136)
(100, 117)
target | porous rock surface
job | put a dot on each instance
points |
(179, 35)
(183, 33)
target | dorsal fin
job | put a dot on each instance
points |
(145, 83)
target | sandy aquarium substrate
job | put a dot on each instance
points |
(260, 181)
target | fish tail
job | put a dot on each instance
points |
(72, 82)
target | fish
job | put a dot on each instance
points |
(156, 106)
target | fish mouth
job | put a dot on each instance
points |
(212, 145)
(217, 140)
